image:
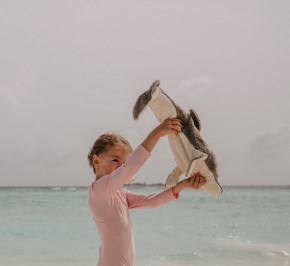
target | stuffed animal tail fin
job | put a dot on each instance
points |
(144, 99)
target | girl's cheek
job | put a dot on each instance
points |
(114, 168)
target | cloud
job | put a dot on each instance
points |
(196, 85)
(271, 143)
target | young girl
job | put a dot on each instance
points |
(114, 165)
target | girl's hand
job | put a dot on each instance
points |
(196, 181)
(169, 126)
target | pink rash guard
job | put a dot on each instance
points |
(110, 203)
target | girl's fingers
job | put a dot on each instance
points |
(173, 125)
(177, 128)
(196, 181)
(174, 129)
(177, 123)
(192, 179)
(202, 182)
(174, 121)
(195, 175)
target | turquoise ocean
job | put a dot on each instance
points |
(243, 226)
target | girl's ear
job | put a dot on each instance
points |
(95, 161)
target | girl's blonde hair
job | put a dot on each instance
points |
(103, 143)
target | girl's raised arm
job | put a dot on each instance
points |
(169, 126)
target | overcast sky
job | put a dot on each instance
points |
(72, 70)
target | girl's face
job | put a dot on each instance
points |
(108, 161)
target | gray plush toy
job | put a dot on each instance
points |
(191, 152)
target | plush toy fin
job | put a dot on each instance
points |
(195, 118)
(173, 178)
(213, 187)
(197, 155)
(144, 100)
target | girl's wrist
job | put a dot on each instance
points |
(157, 132)
(151, 139)
(178, 187)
